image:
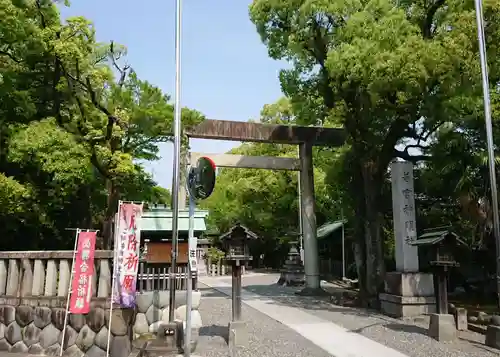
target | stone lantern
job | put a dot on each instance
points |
(439, 247)
(236, 246)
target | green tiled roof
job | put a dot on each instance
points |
(159, 219)
(435, 235)
(328, 228)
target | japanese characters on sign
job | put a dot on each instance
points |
(127, 253)
(408, 203)
(403, 204)
(192, 255)
(83, 270)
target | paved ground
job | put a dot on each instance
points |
(267, 337)
(406, 336)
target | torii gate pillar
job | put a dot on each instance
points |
(308, 209)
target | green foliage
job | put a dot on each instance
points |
(215, 255)
(387, 73)
(74, 125)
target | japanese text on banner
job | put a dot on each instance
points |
(81, 286)
(127, 252)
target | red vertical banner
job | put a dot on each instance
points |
(83, 270)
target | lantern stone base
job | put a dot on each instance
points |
(292, 273)
(237, 338)
(493, 336)
(238, 335)
(408, 294)
(442, 327)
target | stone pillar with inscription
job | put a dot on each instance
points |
(408, 292)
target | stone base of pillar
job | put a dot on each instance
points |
(442, 327)
(237, 338)
(408, 294)
(493, 336)
(292, 273)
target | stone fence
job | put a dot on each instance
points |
(33, 293)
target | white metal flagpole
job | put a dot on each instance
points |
(489, 136)
(69, 292)
(177, 154)
(343, 242)
(114, 273)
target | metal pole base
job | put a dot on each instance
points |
(168, 341)
(313, 292)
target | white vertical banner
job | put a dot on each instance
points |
(128, 253)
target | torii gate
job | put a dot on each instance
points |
(304, 136)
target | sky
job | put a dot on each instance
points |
(226, 72)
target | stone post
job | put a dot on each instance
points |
(27, 277)
(3, 276)
(64, 277)
(403, 213)
(38, 278)
(104, 287)
(311, 260)
(13, 278)
(407, 291)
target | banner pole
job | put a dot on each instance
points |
(113, 278)
(69, 292)
(176, 162)
(189, 286)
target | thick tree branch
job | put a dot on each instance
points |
(123, 71)
(42, 17)
(428, 21)
(95, 161)
(405, 155)
(411, 132)
(395, 133)
(10, 55)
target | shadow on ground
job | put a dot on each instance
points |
(406, 328)
(215, 331)
(286, 296)
(207, 292)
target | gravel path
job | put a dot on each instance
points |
(407, 336)
(267, 337)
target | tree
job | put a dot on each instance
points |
(387, 74)
(72, 132)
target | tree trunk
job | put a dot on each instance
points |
(360, 259)
(375, 265)
(356, 188)
(111, 208)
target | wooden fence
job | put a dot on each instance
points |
(220, 268)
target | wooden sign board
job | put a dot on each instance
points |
(160, 252)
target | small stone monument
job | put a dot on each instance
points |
(407, 291)
(292, 273)
(461, 319)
